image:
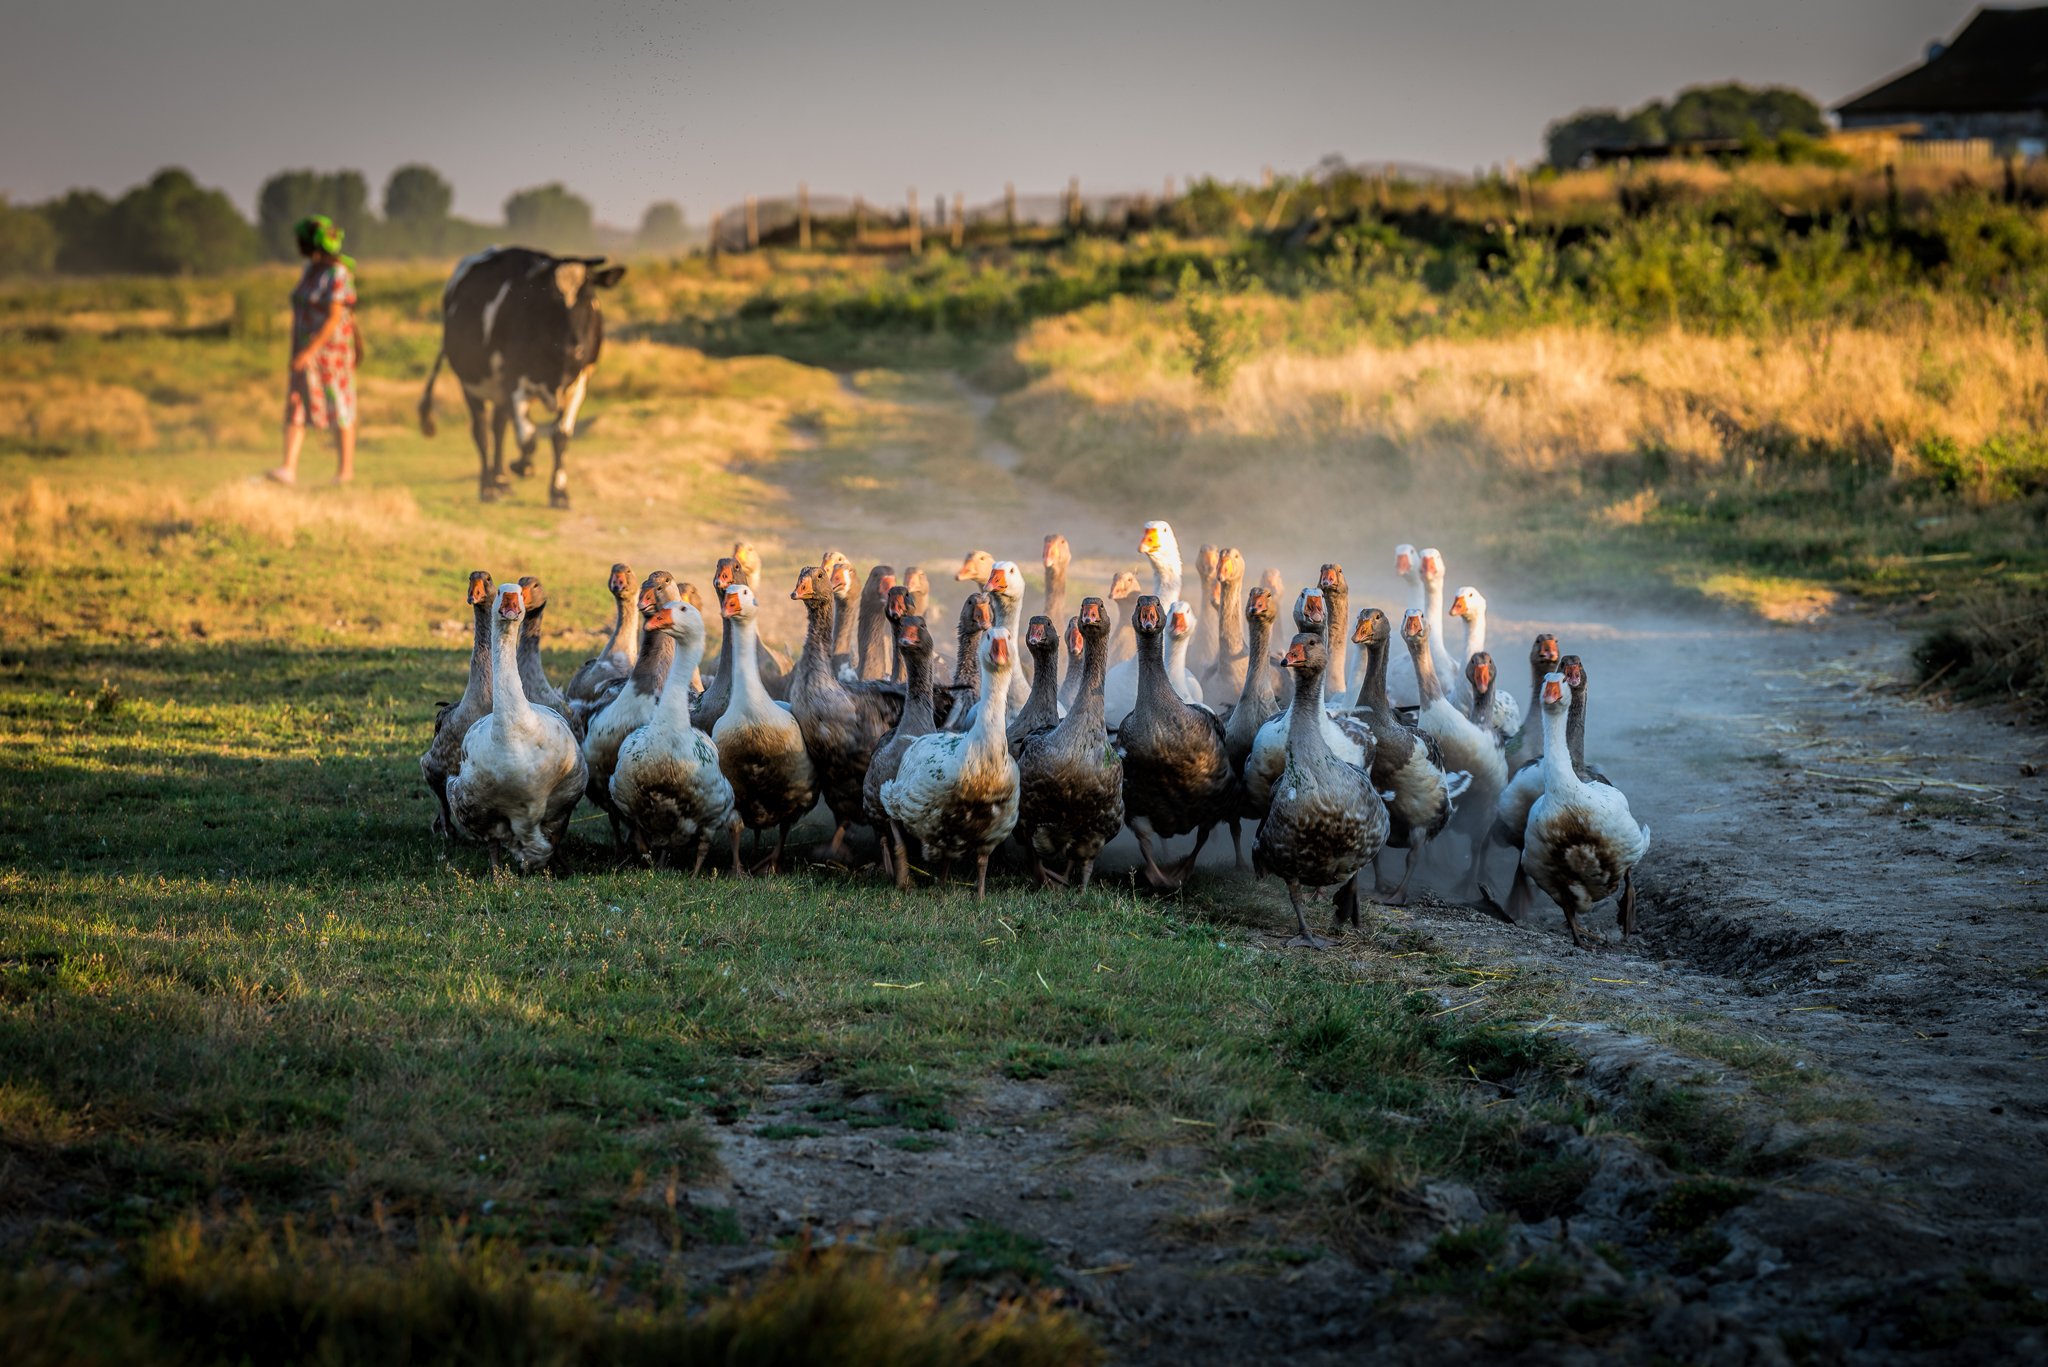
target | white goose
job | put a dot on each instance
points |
(1157, 544)
(1402, 689)
(760, 746)
(521, 771)
(957, 791)
(1582, 843)
(1180, 635)
(1505, 716)
(667, 781)
(1005, 588)
(1465, 744)
(1449, 672)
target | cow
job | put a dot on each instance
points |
(519, 325)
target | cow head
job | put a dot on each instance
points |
(577, 279)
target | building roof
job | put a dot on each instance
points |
(1998, 63)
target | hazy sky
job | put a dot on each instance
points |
(704, 101)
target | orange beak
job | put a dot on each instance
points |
(511, 603)
(1402, 564)
(1312, 607)
(1553, 690)
(888, 582)
(731, 606)
(1412, 624)
(479, 589)
(999, 651)
(659, 618)
(529, 592)
(1091, 613)
(1149, 543)
(998, 580)
(1459, 607)
(1180, 621)
(908, 636)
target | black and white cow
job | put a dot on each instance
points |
(519, 325)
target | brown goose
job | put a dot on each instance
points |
(1041, 709)
(1228, 668)
(1543, 659)
(957, 792)
(621, 649)
(761, 748)
(1123, 596)
(1406, 760)
(1075, 646)
(1058, 555)
(872, 635)
(1326, 821)
(977, 616)
(1258, 702)
(914, 649)
(711, 706)
(520, 772)
(1177, 776)
(1511, 809)
(1336, 593)
(842, 726)
(1207, 562)
(1348, 739)
(453, 720)
(630, 709)
(667, 781)
(895, 608)
(656, 589)
(532, 676)
(1582, 843)
(1070, 782)
(835, 570)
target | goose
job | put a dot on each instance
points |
(1511, 809)
(957, 791)
(895, 608)
(1005, 589)
(533, 677)
(760, 746)
(657, 588)
(1406, 762)
(775, 666)
(452, 722)
(842, 726)
(1041, 708)
(710, 707)
(836, 573)
(1273, 582)
(1157, 544)
(689, 593)
(1258, 697)
(977, 617)
(1543, 659)
(975, 568)
(1448, 670)
(1122, 596)
(667, 781)
(1058, 555)
(1502, 713)
(1582, 844)
(1180, 635)
(1347, 738)
(1070, 778)
(1401, 686)
(1337, 598)
(914, 649)
(872, 637)
(1208, 560)
(1177, 777)
(621, 648)
(629, 710)
(521, 773)
(1076, 648)
(1228, 663)
(1327, 822)
(1465, 744)
(920, 586)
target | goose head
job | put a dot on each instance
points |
(1229, 574)
(1005, 581)
(1331, 580)
(656, 589)
(1415, 629)
(1574, 671)
(811, 586)
(680, 620)
(1149, 617)
(689, 594)
(1311, 610)
(974, 569)
(977, 614)
(1408, 565)
(911, 636)
(737, 603)
(897, 605)
(1041, 638)
(881, 579)
(1271, 582)
(1544, 653)
(536, 596)
(920, 586)
(1468, 603)
(1306, 655)
(725, 574)
(1479, 673)
(1372, 628)
(1180, 621)
(1058, 554)
(1258, 606)
(840, 576)
(1557, 694)
(748, 561)
(511, 605)
(1157, 544)
(996, 655)
(1092, 622)
(621, 580)
(1432, 566)
(1123, 584)
(1207, 559)
(479, 588)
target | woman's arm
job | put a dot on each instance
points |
(320, 338)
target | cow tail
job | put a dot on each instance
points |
(427, 398)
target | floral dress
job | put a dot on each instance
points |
(323, 395)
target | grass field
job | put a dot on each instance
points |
(272, 1059)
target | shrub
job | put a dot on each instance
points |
(1217, 337)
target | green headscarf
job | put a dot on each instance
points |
(316, 232)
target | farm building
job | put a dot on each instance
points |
(1988, 84)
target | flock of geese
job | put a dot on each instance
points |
(1145, 711)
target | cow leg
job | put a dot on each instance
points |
(558, 483)
(565, 428)
(499, 418)
(485, 490)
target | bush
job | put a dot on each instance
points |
(1217, 338)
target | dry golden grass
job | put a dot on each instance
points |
(1860, 187)
(66, 413)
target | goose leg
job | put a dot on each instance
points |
(703, 850)
(1347, 903)
(1087, 871)
(1307, 939)
(1187, 865)
(981, 875)
(834, 851)
(1046, 877)
(739, 868)
(1628, 904)
(1417, 844)
(902, 855)
(1579, 936)
(888, 846)
(1142, 828)
(1237, 844)
(1519, 895)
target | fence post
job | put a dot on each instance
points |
(916, 226)
(753, 224)
(1010, 210)
(959, 220)
(803, 215)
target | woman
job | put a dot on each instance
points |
(326, 348)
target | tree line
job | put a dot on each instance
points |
(172, 225)
(1772, 119)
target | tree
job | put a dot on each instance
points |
(84, 223)
(550, 217)
(289, 196)
(175, 226)
(416, 195)
(1570, 141)
(1730, 110)
(661, 228)
(28, 244)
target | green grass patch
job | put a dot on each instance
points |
(983, 1250)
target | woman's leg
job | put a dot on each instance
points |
(345, 453)
(294, 435)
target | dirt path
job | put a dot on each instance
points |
(1844, 877)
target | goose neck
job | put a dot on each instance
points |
(508, 699)
(1558, 774)
(478, 688)
(816, 663)
(746, 691)
(917, 699)
(675, 691)
(1255, 661)
(1427, 684)
(1575, 729)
